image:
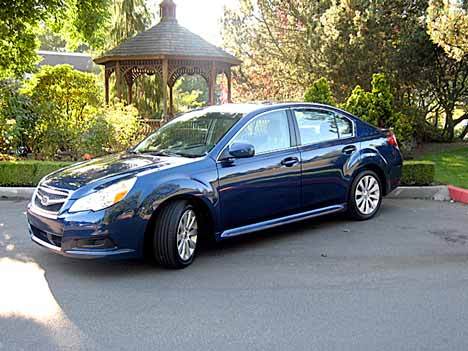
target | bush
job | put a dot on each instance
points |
(320, 93)
(16, 117)
(65, 101)
(418, 173)
(114, 129)
(26, 173)
(376, 107)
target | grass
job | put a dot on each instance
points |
(451, 164)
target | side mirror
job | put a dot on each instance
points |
(241, 150)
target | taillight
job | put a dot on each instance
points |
(391, 139)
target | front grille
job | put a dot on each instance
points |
(49, 199)
(53, 239)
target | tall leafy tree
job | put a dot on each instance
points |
(276, 40)
(83, 21)
(129, 17)
(18, 40)
(447, 22)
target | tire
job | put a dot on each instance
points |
(172, 232)
(365, 206)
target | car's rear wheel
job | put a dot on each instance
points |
(366, 196)
(176, 235)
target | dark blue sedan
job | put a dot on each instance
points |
(216, 173)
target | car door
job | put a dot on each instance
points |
(327, 146)
(266, 185)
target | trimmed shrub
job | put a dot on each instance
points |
(26, 173)
(418, 173)
(320, 92)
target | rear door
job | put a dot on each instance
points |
(327, 146)
(266, 185)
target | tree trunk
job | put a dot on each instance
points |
(449, 125)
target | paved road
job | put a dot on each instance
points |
(398, 282)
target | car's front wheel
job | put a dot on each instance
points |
(176, 235)
(366, 196)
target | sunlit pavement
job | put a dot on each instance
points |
(399, 282)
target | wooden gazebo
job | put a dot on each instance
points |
(171, 51)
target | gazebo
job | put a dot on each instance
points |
(171, 51)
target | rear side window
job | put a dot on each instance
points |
(316, 126)
(345, 127)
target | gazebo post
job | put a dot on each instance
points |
(229, 87)
(165, 74)
(212, 83)
(171, 100)
(130, 92)
(117, 79)
(106, 85)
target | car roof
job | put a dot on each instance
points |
(247, 108)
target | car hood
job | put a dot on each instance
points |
(77, 175)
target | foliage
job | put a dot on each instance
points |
(286, 45)
(16, 117)
(186, 100)
(26, 173)
(17, 25)
(129, 17)
(377, 107)
(115, 128)
(447, 24)
(78, 20)
(451, 165)
(320, 92)
(65, 101)
(418, 173)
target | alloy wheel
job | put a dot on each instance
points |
(187, 234)
(367, 195)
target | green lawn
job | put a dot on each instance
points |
(451, 165)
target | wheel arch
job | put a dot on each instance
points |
(203, 207)
(377, 169)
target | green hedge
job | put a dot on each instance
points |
(26, 173)
(418, 173)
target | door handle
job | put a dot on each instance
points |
(290, 161)
(348, 150)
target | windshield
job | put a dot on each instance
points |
(191, 135)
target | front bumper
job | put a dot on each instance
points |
(82, 236)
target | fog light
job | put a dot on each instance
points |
(95, 243)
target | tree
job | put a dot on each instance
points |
(277, 41)
(129, 17)
(447, 24)
(19, 23)
(320, 92)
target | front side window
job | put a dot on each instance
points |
(316, 126)
(268, 132)
(191, 135)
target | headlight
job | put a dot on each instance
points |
(104, 198)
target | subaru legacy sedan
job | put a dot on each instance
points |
(216, 173)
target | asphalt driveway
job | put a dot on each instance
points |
(398, 282)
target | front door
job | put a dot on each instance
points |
(328, 148)
(266, 185)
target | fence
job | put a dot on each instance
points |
(149, 125)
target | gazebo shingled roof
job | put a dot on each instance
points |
(170, 50)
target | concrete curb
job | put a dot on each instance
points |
(16, 193)
(438, 193)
